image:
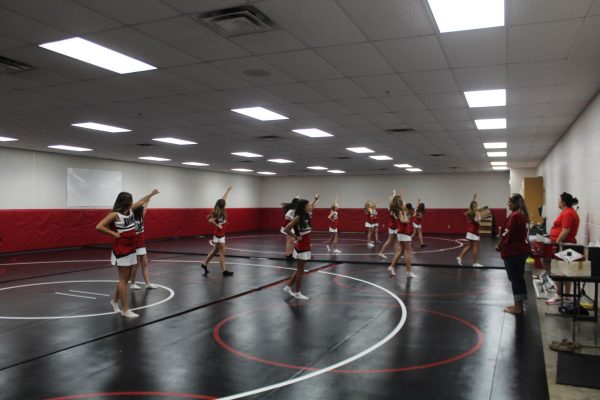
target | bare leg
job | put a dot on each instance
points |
(334, 241)
(408, 255)
(289, 245)
(298, 275)
(399, 251)
(222, 256)
(475, 250)
(145, 274)
(465, 250)
(376, 234)
(421, 241)
(369, 235)
(121, 293)
(134, 270)
(391, 239)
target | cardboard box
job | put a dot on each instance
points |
(485, 212)
(573, 268)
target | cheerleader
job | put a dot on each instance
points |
(299, 228)
(218, 218)
(392, 229)
(405, 230)
(140, 249)
(371, 222)
(120, 224)
(333, 227)
(473, 217)
(417, 220)
(288, 215)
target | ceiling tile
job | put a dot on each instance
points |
(190, 6)
(239, 66)
(326, 108)
(531, 95)
(170, 81)
(8, 43)
(532, 11)
(364, 106)
(208, 75)
(595, 8)
(458, 125)
(456, 114)
(305, 65)
(356, 59)
(413, 54)
(268, 42)
(415, 116)
(480, 47)
(588, 44)
(523, 122)
(130, 11)
(581, 70)
(443, 100)
(541, 73)
(296, 93)
(427, 126)
(526, 110)
(430, 81)
(538, 42)
(481, 78)
(337, 89)
(570, 109)
(402, 103)
(27, 30)
(383, 85)
(575, 93)
(488, 112)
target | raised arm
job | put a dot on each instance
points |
(226, 193)
(104, 225)
(474, 196)
(144, 199)
(335, 201)
(314, 202)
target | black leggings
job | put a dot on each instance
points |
(515, 268)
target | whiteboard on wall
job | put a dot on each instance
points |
(92, 187)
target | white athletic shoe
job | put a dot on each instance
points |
(392, 272)
(288, 290)
(129, 314)
(328, 248)
(370, 245)
(115, 306)
(410, 275)
(477, 265)
(382, 256)
(150, 286)
(459, 261)
(300, 296)
(135, 286)
(336, 251)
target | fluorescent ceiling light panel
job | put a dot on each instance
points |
(486, 98)
(360, 149)
(495, 145)
(69, 148)
(496, 154)
(381, 158)
(266, 173)
(414, 169)
(7, 139)
(259, 113)
(280, 161)
(100, 127)
(312, 132)
(498, 163)
(317, 168)
(195, 164)
(242, 169)
(403, 165)
(150, 158)
(463, 15)
(246, 154)
(500, 168)
(336, 171)
(492, 123)
(171, 140)
(97, 55)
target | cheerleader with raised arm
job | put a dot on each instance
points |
(140, 249)
(218, 218)
(120, 224)
(288, 216)
(371, 222)
(300, 229)
(393, 227)
(333, 218)
(405, 231)
(473, 217)
(417, 221)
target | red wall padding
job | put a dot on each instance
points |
(22, 230)
(436, 221)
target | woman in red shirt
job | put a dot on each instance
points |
(514, 249)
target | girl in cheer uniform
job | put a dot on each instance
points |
(473, 217)
(218, 218)
(333, 218)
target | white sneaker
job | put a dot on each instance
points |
(129, 314)
(459, 261)
(336, 251)
(382, 256)
(288, 290)
(477, 265)
(410, 275)
(328, 248)
(135, 286)
(150, 286)
(300, 296)
(115, 306)
(370, 245)
(392, 272)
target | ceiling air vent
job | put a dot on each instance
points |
(270, 137)
(343, 158)
(9, 66)
(237, 21)
(144, 145)
(437, 155)
(400, 130)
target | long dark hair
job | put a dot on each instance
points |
(396, 205)
(289, 206)
(302, 214)
(518, 204)
(568, 199)
(410, 211)
(123, 202)
(218, 210)
(138, 213)
(421, 209)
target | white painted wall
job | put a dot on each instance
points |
(573, 166)
(436, 191)
(516, 178)
(34, 180)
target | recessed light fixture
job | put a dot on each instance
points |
(97, 55)
(280, 160)
(69, 148)
(242, 169)
(312, 132)
(496, 154)
(266, 173)
(336, 171)
(150, 158)
(463, 15)
(495, 145)
(317, 168)
(195, 164)
(259, 113)
(100, 127)
(486, 98)
(498, 163)
(179, 142)
(360, 149)
(7, 139)
(246, 154)
(403, 165)
(492, 123)
(414, 169)
(381, 158)
(500, 168)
